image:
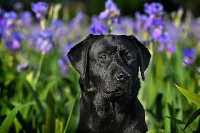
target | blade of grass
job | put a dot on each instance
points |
(192, 118)
(73, 111)
(49, 125)
(175, 120)
(189, 95)
(6, 124)
(191, 68)
(32, 88)
(21, 120)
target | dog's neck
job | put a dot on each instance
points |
(105, 105)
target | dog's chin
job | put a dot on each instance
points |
(120, 91)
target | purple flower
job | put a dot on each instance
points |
(2, 21)
(125, 27)
(171, 48)
(57, 23)
(156, 33)
(63, 67)
(10, 19)
(22, 66)
(77, 20)
(110, 5)
(63, 61)
(68, 47)
(189, 52)
(111, 12)
(166, 42)
(14, 41)
(104, 15)
(189, 56)
(58, 28)
(26, 18)
(40, 9)
(97, 27)
(141, 17)
(44, 41)
(153, 8)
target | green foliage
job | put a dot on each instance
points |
(49, 125)
(6, 124)
(189, 95)
(192, 118)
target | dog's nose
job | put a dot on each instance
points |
(122, 75)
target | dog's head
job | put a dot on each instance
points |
(109, 63)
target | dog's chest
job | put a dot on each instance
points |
(113, 118)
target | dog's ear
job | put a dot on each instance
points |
(143, 57)
(78, 55)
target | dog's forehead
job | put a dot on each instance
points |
(110, 43)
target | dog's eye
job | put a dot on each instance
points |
(103, 57)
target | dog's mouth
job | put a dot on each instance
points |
(121, 91)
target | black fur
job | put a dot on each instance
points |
(108, 67)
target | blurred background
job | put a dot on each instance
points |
(92, 7)
(39, 90)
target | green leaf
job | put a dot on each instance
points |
(192, 118)
(19, 116)
(5, 126)
(49, 126)
(189, 95)
(191, 68)
(73, 118)
(175, 120)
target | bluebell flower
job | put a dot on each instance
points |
(26, 18)
(44, 41)
(22, 66)
(189, 56)
(97, 27)
(40, 9)
(14, 41)
(153, 8)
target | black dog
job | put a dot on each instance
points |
(108, 67)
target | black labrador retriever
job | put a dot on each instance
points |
(108, 67)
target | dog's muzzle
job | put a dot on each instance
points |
(122, 76)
